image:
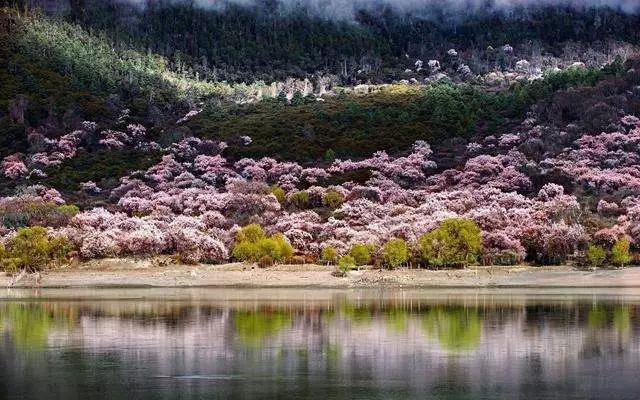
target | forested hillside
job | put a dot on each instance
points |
(162, 127)
(268, 42)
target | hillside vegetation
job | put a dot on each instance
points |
(270, 41)
(121, 143)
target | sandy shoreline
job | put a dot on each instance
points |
(136, 273)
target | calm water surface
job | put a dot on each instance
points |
(324, 344)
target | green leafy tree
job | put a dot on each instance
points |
(596, 255)
(361, 253)
(32, 249)
(620, 255)
(346, 263)
(252, 244)
(250, 233)
(329, 255)
(297, 98)
(276, 247)
(246, 251)
(395, 253)
(455, 242)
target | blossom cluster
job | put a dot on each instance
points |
(194, 199)
(47, 152)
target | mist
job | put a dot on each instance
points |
(347, 9)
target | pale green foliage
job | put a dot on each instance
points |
(456, 242)
(333, 199)
(279, 193)
(596, 255)
(252, 245)
(246, 251)
(456, 328)
(94, 61)
(346, 263)
(276, 246)
(395, 253)
(361, 253)
(329, 255)
(250, 233)
(300, 199)
(69, 209)
(32, 249)
(620, 253)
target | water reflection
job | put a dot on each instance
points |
(456, 328)
(254, 327)
(344, 345)
(29, 324)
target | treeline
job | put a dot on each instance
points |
(262, 42)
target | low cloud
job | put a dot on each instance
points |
(346, 9)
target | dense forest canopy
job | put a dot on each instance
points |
(275, 39)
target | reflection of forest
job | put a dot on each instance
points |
(415, 344)
(444, 327)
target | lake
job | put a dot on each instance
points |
(321, 344)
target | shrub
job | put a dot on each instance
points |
(329, 255)
(456, 242)
(276, 246)
(14, 219)
(395, 253)
(279, 193)
(333, 199)
(252, 245)
(191, 245)
(596, 255)
(345, 264)
(246, 251)
(268, 246)
(25, 211)
(505, 257)
(32, 249)
(361, 253)
(250, 233)
(69, 209)
(620, 253)
(300, 199)
(285, 248)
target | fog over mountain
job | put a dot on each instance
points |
(346, 9)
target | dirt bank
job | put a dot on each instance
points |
(135, 273)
